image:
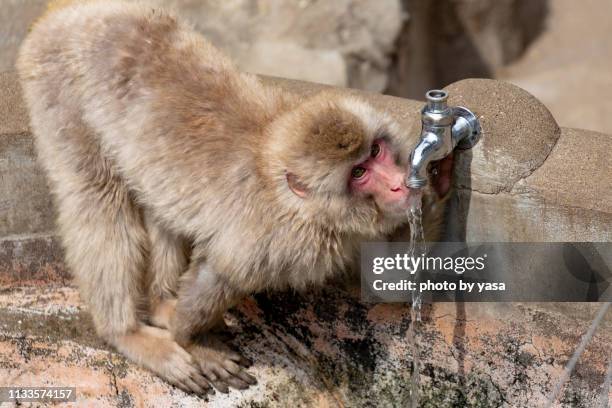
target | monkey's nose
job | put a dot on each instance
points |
(398, 188)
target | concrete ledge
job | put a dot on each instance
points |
(33, 259)
(546, 183)
(578, 172)
(13, 113)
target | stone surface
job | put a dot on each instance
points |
(506, 217)
(525, 180)
(25, 205)
(573, 174)
(323, 349)
(32, 258)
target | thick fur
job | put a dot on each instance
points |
(155, 144)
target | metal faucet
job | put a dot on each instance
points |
(443, 129)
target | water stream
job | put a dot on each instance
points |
(417, 236)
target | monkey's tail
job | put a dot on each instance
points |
(54, 5)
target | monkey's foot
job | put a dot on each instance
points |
(156, 350)
(220, 365)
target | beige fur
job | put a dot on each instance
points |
(168, 164)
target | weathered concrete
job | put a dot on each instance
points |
(527, 180)
(13, 112)
(518, 134)
(36, 258)
(25, 205)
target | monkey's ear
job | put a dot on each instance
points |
(298, 188)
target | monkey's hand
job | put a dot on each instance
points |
(220, 365)
(157, 351)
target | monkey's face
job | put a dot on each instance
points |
(381, 179)
(345, 164)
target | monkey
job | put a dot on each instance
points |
(183, 185)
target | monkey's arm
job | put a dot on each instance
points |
(203, 297)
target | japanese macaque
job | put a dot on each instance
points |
(183, 185)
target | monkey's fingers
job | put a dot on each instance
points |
(238, 358)
(239, 372)
(226, 377)
(189, 379)
(193, 386)
(214, 379)
(222, 374)
(198, 381)
(179, 368)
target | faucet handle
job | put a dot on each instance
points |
(466, 129)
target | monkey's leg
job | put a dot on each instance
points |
(106, 246)
(161, 312)
(203, 298)
(110, 266)
(168, 259)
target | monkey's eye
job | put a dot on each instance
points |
(375, 150)
(358, 172)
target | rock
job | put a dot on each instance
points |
(350, 39)
(342, 43)
(288, 60)
(448, 40)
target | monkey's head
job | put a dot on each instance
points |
(339, 161)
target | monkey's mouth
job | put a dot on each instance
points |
(398, 209)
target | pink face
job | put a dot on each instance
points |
(381, 178)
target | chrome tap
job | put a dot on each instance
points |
(443, 129)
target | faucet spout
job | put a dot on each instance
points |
(443, 129)
(421, 156)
